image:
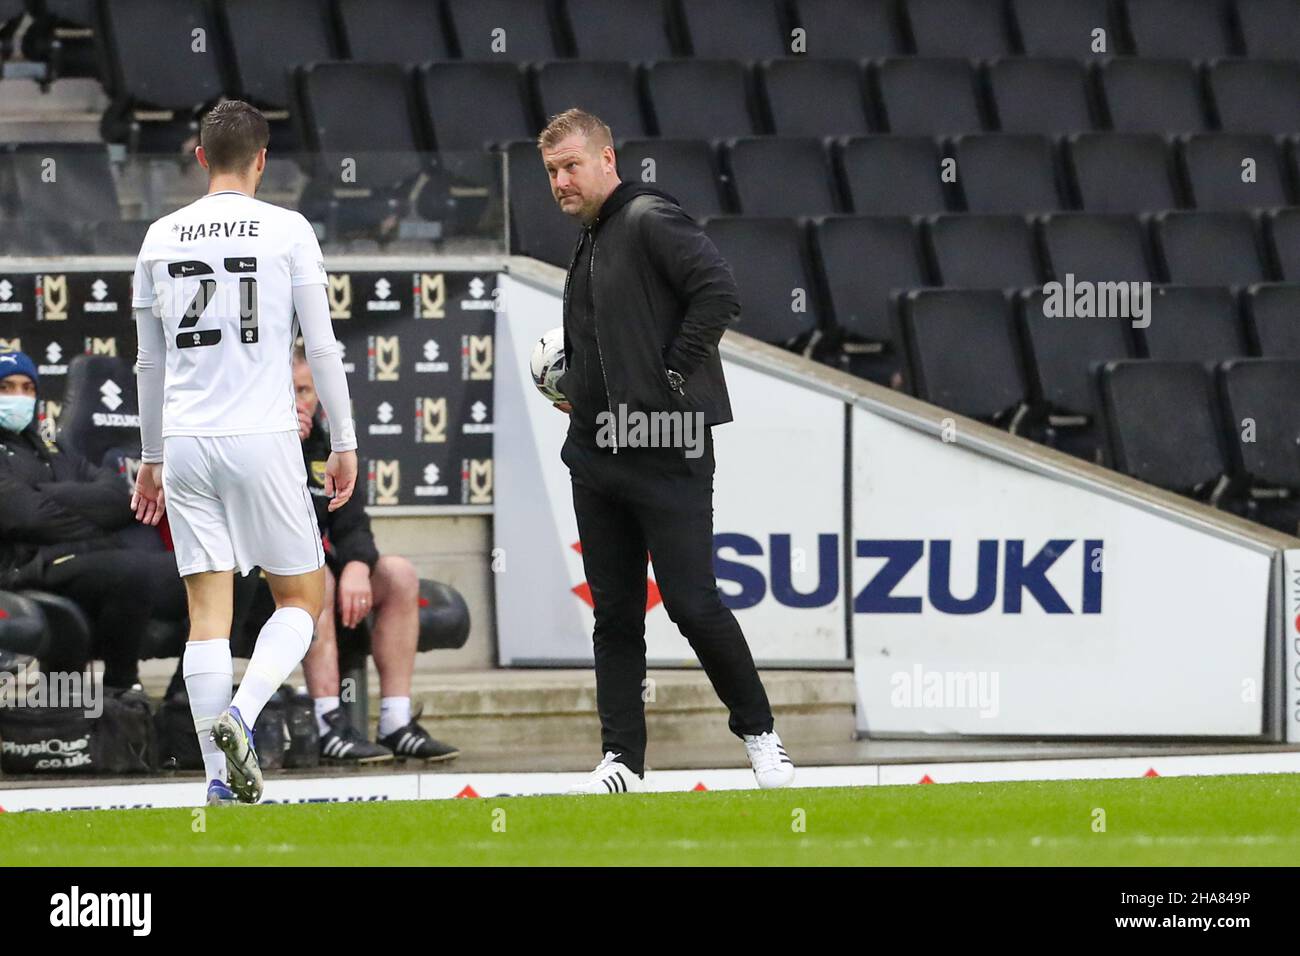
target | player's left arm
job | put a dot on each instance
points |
(700, 277)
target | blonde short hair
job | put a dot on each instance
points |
(572, 122)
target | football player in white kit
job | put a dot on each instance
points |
(217, 287)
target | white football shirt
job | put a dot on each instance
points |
(219, 274)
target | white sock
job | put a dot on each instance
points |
(324, 705)
(209, 675)
(394, 714)
(281, 645)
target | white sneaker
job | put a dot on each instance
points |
(772, 765)
(610, 776)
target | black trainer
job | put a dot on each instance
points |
(413, 742)
(346, 744)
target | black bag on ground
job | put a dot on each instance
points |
(304, 735)
(285, 733)
(123, 739)
(178, 744)
(45, 740)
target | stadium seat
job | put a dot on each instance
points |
(304, 33)
(468, 106)
(1122, 172)
(853, 30)
(1163, 426)
(538, 227)
(930, 97)
(683, 168)
(999, 172)
(774, 176)
(815, 97)
(63, 34)
(1219, 178)
(1209, 248)
(770, 263)
(1257, 96)
(1284, 231)
(963, 356)
(983, 252)
(1195, 29)
(1040, 96)
(967, 28)
(1194, 324)
(700, 99)
(514, 30)
(1269, 28)
(1260, 394)
(23, 628)
(1063, 28)
(605, 88)
(864, 263)
(735, 29)
(891, 175)
(1096, 247)
(631, 30)
(159, 86)
(392, 31)
(1143, 95)
(1271, 310)
(1063, 356)
(82, 186)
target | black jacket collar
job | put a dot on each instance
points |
(623, 194)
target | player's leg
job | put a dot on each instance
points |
(394, 640)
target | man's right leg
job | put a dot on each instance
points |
(206, 663)
(283, 640)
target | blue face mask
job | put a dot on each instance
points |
(16, 411)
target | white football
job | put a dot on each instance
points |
(548, 364)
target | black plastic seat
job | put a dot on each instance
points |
(517, 31)
(1271, 311)
(1163, 425)
(630, 30)
(968, 28)
(1284, 231)
(303, 33)
(1063, 28)
(607, 89)
(1209, 248)
(815, 97)
(983, 252)
(700, 99)
(1003, 172)
(538, 228)
(82, 187)
(853, 30)
(1217, 172)
(1195, 29)
(1152, 96)
(1194, 324)
(1263, 391)
(930, 97)
(1257, 96)
(684, 168)
(1096, 247)
(774, 176)
(963, 353)
(391, 31)
(1269, 28)
(1040, 96)
(769, 260)
(891, 175)
(1122, 172)
(469, 105)
(738, 29)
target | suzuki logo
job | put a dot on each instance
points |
(383, 288)
(478, 411)
(476, 287)
(385, 413)
(99, 289)
(430, 350)
(53, 353)
(109, 394)
(431, 474)
(6, 290)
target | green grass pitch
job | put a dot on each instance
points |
(1176, 821)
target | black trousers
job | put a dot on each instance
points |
(119, 590)
(654, 500)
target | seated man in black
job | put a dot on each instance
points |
(357, 581)
(60, 531)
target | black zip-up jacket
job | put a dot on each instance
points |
(53, 503)
(348, 528)
(649, 290)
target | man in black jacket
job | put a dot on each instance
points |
(59, 532)
(358, 580)
(646, 301)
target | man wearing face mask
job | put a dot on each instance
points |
(58, 534)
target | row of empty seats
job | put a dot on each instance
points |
(520, 30)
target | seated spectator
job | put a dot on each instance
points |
(61, 530)
(358, 580)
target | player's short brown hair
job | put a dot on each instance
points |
(576, 121)
(232, 134)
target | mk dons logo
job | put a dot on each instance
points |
(476, 358)
(52, 298)
(318, 472)
(384, 354)
(385, 481)
(431, 297)
(340, 295)
(476, 481)
(430, 419)
(97, 346)
(11, 345)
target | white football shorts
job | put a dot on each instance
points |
(240, 501)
